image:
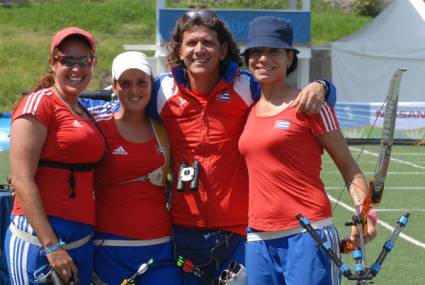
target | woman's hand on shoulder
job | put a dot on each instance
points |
(310, 99)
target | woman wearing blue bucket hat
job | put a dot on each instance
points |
(282, 148)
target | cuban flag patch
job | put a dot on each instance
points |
(223, 97)
(281, 124)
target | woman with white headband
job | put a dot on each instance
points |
(132, 221)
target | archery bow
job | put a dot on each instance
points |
(374, 197)
(376, 183)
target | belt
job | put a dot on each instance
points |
(118, 242)
(36, 241)
(256, 236)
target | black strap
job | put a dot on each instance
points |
(79, 167)
(82, 167)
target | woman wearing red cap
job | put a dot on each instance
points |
(54, 146)
(282, 149)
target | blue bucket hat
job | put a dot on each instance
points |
(270, 32)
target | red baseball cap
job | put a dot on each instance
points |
(69, 31)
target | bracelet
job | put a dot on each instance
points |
(324, 85)
(373, 216)
(54, 247)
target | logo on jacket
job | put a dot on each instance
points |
(223, 97)
(182, 101)
(120, 151)
(77, 124)
(281, 124)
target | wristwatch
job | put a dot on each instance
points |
(324, 85)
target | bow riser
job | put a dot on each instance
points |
(387, 137)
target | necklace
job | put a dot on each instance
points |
(78, 111)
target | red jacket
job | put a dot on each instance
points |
(206, 127)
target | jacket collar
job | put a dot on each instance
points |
(231, 71)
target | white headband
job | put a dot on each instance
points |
(130, 60)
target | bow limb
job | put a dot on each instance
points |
(376, 183)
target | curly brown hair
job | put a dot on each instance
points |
(209, 19)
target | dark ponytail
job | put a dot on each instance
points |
(46, 81)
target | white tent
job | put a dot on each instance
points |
(363, 63)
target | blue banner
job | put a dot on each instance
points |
(365, 120)
(238, 22)
(4, 130)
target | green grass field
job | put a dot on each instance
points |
(4, 166)
(26, 31)
(404, 190)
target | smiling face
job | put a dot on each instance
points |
(133, 89)
(70, 78)
(201, 52)
(269, 65)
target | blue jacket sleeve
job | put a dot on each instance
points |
(100, 107)
(152, 106)
(331, 98)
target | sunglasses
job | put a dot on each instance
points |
(70, 61)
(207, 16)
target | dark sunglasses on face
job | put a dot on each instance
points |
(206, 15)
(70, 61)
